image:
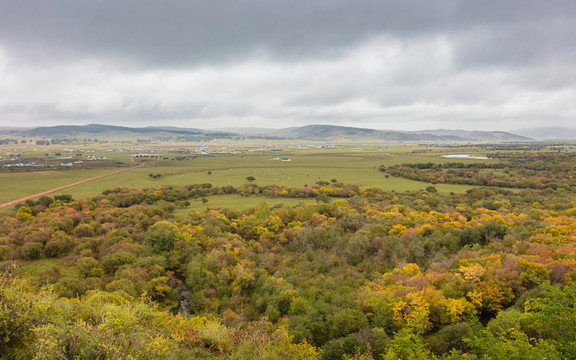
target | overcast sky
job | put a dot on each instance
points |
(399, 65)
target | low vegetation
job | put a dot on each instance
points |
(361, 273)
(538, 170)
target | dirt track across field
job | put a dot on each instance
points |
(13, 202)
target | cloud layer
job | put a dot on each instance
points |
(380, 64)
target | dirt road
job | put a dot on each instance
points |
(13, 202)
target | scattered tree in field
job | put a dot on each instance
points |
(250, 178)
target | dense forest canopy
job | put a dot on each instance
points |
(361, 274)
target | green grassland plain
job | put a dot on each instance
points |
(348, 163)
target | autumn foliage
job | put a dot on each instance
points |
(367, 274)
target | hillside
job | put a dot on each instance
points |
(308, 132)
(548, 133)
(331, 132)
(245, 131)
(90, 130)
(476, 135)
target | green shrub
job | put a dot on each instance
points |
(112, 262)
(336, 349)
(31, 251)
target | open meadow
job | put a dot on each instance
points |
(217, 163)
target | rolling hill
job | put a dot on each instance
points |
(549, 133)
(111, 131)
(331, 132)
(476, 135)
(308, 132)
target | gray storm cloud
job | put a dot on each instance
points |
(382, 64)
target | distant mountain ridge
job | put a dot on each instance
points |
(332, 132)
(250, 131)
(71, 130)
(476, 135)
(549, 133)
(308, 132)
(113, 131)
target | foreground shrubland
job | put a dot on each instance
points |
(36, 324)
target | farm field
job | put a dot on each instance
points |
(349, 163)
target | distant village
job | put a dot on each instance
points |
(18, 159)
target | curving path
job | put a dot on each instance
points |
(13, 202)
